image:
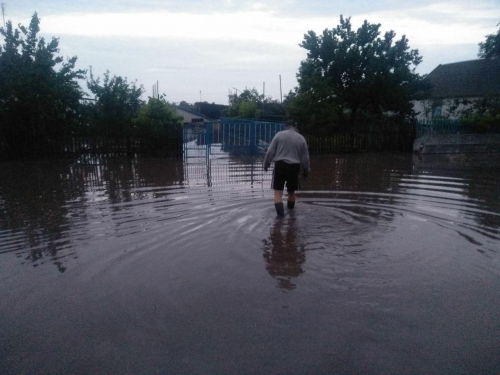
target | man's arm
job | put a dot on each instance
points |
(304, 159)
(271, 152)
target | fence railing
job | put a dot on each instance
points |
(445, 126)
(362, 136)
(226, 135)
(75, 145)
(253, 137)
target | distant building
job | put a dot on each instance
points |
(211, 110)
(190, 116)
(457, 85)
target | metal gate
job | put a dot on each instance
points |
(228, 136)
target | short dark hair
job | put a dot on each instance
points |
(290, 123)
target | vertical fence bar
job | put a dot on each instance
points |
(253, 141)
(208, 140)
(224, 134)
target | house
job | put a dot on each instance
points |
(190, 116)
(457, 85)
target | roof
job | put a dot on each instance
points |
(193, 112)
(474, 78)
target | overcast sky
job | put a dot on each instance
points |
(202, 49)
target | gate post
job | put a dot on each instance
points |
(184, 141)
(253, 139)
(208, 140)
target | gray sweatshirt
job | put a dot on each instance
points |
(291, 147)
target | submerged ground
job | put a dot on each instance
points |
(388, 265)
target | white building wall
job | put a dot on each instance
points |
(447, 108)
(187, 116)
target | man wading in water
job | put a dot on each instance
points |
(288, 150)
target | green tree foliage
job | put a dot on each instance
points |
(248, 109)
(354, 73)
(249, 104)
(39, 93)
(484, 113)
(158, 117)
(184, 104)
(490, 48)
(486, 107)
(117, 103)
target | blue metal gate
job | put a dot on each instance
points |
(228, 136)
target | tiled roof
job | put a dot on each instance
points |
(474, 78)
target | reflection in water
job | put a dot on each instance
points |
(475, 176)
(283, 253)
(229, 171)
(46, 207)
(453, 182)
(41, 202)
(33, 200)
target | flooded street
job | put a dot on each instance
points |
(388, 265)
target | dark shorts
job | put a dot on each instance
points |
(284, 172)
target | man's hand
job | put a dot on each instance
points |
(305, 175)
(265, 169)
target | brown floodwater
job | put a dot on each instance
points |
(388, 265)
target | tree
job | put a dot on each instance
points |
(212, 111)
(117, 103)
(239, 106)
(355, 73)
(184, 104)
(158, 117)
(483, 114)
(490, 48)
(249, 104)
(39, 93)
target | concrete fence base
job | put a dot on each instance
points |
(457, 144)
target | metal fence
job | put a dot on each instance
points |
(75, 145)
(360, 136)
(228, 136)
(446, 126)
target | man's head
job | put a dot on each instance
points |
(290, 123)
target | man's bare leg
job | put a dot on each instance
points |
(278, 203)
(277, 196)
(291, 200)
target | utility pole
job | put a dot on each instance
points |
(156, 90)
(281, 94)
(264, 89)
(236, 91)
(3, 14)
